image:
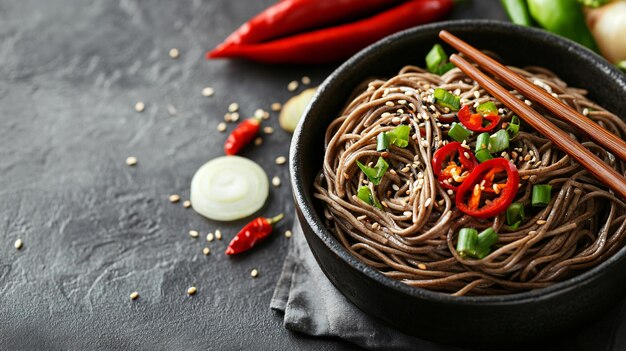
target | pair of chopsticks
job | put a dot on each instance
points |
(603, 172)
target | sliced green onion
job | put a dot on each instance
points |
(517, 10)
(376, 173)
(399, 136)
(485, 107)
(458, 132)
(437, 60)
(499, 141)
(466, 243)
(513, 128)
(435, 57)
(483, 155)
(542, 194)
(487, 238)
(515, 215)
(382, 142)
(445, 99)
(482, 141)
(365, 194)
(445, 68)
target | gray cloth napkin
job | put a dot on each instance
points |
(312, 305)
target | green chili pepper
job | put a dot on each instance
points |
(563, 17)
(517, 10)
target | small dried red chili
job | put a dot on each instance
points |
(338, 42)
(446, 168)
(252, 233)
(481, 195)
(474, 121)
(242, 135)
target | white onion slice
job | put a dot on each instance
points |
(228, 188)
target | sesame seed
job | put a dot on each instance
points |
(186, 204)
(174, 198)
(466, 154)
(585, 111)
(234, 117)
(375, 225)
(277, 106)
(396, 120)
(258, 113)
(258, 141)
(134, 295)
(208, 91)
(421, 266)
(218, 234)
(400, 111)
(140, 106)
(174, 53)
(532, 232)
(528, 102)
(477, 94)
(131, 160)
(171, 109)
(527, 157)
(450, 192)
(389, 103)
(206, 251)
(428, 202)
(288, 234)
(221, 127)
(361, 217)
(233, 107)
(276, 181)
(18, 244)
(193, 233)
(210, 237)
(395, 187)
(254, 273)
(306, 80)
(541, 222)
(402, 102)
(405, 170)
(292, 86)
(191, 290)
(228, 117)
(280, 160)
(268, 130)
(385, 114)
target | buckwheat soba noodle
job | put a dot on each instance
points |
(423, 218)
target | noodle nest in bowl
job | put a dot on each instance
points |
(412, 235)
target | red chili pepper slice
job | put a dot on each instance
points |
(253, 232)
(482, 187)
(447, 170)
(287, 17)
(474, 121)
(341, 41)
(241, 136)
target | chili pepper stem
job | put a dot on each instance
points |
(274, 220)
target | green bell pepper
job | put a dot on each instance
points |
(563, 17)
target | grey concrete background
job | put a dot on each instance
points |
(94, 229)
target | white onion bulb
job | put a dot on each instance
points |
(228, 188)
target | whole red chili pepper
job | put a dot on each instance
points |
(242, 135)
(334, 43)
(287, 17)
(252, 233)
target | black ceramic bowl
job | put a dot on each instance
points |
(470, 321)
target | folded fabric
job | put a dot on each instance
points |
(312, 305)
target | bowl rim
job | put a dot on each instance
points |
(314, 221)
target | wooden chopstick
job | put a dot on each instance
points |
(600, 135)
(607, 175)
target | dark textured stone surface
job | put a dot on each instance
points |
(94, 229)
